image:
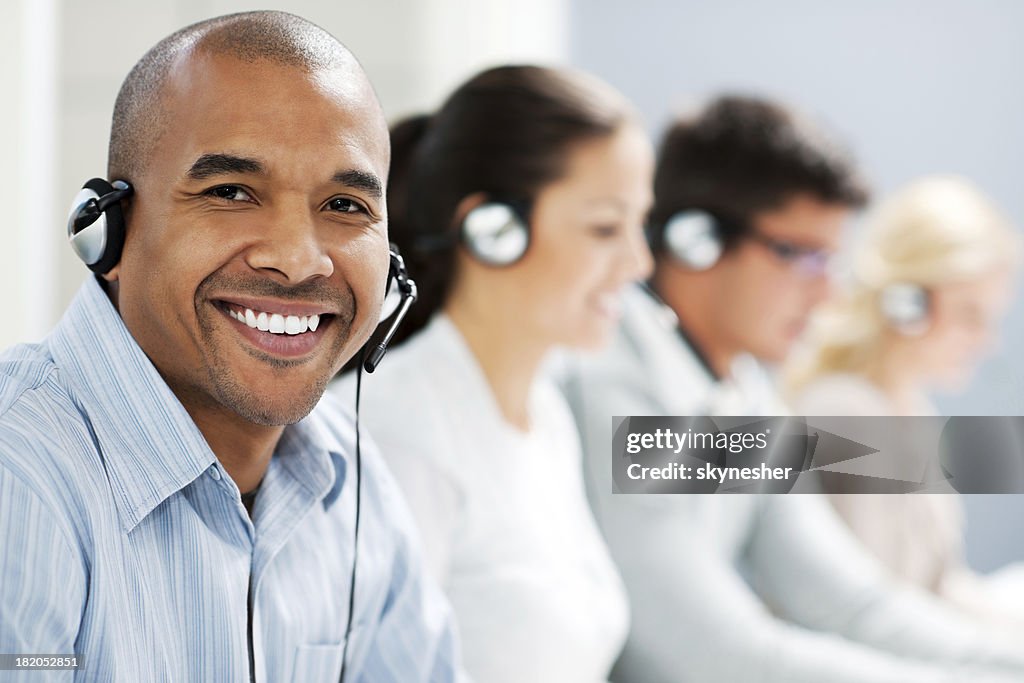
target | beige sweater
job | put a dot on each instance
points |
(919, 538)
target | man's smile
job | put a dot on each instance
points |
(277, 328)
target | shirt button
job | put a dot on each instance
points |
(215, 473)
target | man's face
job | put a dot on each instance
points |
(765, 289)
(261, 206)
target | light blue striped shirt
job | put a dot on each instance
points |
(123, 539)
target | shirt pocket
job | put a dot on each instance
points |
(318, 663)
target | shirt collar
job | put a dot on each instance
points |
(314, 454)
(149, 444)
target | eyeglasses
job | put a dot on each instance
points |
(807, 261)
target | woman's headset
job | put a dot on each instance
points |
(496, 233)
(906, 307)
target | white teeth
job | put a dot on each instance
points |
(277, 323)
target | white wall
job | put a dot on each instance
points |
(27, 197)
(11, 229)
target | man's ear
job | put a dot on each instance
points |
(113, 289)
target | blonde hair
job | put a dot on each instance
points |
(937, 230)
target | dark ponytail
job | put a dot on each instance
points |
(505, 133)
(426, 268)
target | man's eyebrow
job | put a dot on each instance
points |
(360, 180)
(210, 165)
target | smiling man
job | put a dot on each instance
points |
(176, 502)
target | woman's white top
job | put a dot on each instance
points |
(504, 519)
(918, 537)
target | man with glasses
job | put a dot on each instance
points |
(750, 204)
(773, 196)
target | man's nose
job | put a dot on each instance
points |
(290, 246)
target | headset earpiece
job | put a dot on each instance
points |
(694, 239)
(96, 223)
(496, 233)
(906, 307)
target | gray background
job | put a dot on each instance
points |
(914, 87)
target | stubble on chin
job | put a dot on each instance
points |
(263, 405)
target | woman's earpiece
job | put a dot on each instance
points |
(906, 307)
(496, 233)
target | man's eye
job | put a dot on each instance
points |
(231, 193)
(788, 252)
(345, 205)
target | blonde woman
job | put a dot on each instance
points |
(932, 279)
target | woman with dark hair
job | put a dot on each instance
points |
(519, 207)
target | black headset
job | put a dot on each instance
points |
(96, 231)
(96, 223)
(496, 233)
(694, 237)
(403, 287)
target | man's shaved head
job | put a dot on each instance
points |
(259, 156)
(139, 118)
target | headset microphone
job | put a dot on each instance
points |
(407, 290)
(369, 358)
